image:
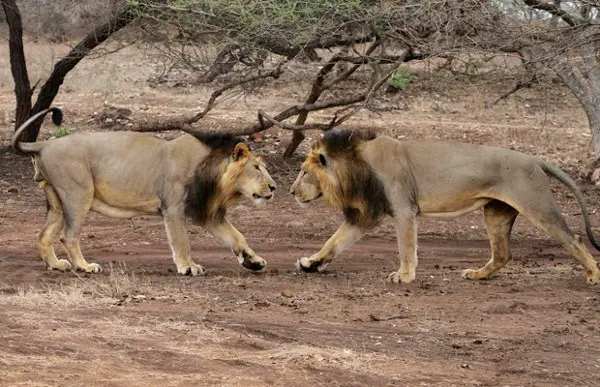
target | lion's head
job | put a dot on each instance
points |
(247, 174)
(229, 173)
(335, 169)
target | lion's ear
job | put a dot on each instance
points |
(240, 152)
(322, 159)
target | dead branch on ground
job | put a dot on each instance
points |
(185, 123)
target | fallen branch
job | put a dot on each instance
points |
(185, 123)
(287, 113)
(262, 116)
(377, 318)
(265, 121)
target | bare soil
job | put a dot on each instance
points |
(139, 323)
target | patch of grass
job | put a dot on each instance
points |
(62, 131)
(400, 81)
(120, 284)
(63, 295)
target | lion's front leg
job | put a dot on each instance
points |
(345, 236)
(180, 245)
(230, 236)
(406, 232)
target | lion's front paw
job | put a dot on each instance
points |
(592, 279)
(191, 269)
(61, 264)
(255, 263)
(93, 268)
(398, 277)
(310, 265)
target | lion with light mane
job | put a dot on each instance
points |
(368, 176)
(127, 174)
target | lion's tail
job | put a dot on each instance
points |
(562, 176)
(34, 147)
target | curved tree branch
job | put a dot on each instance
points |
(66, 64)
(48, 91)
(185, 123)
(554, 11)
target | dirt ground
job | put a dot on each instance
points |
(138, 323)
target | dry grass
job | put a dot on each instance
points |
(95, 291)
(121, 283)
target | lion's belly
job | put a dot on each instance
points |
(120, 212)
(119, 203)
(450, 208)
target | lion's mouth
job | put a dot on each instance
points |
(259, 196)
(315, 198)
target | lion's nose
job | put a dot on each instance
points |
(292, 191)
(272, 187)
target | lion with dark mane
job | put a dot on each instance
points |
(368, 177)
(127, 174)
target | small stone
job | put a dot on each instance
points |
(12, 189)
(287, 293)
(465, 365)
(294, 223)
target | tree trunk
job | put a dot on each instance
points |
(297, 137)
(313, 96)
(61, 69)
(593, 115)
(586, 88)
(17, 63)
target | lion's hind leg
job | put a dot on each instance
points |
(499, 219)
(539, 207)
(52, 228)
(554, 224)
(75, 210)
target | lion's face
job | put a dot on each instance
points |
(253, 182)
(307, 186)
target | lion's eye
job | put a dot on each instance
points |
(257, 167)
